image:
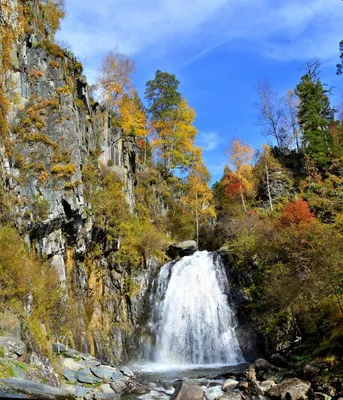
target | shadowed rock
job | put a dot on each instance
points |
(182, 249)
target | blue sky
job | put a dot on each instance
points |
(218, 49)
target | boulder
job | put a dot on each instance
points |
(230, 396)
(119, 386)
(105, 396)
(70, 363)
(229, 385)
(263, 365)
(254, 388)
(106, 389)
(59, 348)
(13, 347)
(188, 391)
(139, 390)
(290, 389)
(83, 392)
(69, 375)
(127, 372)
(182, 249)
(33, 390)
(267, 385)
(279, 360)
(320, 396)
(4, 395)
(243, 385)
(85, 376)
(106, 373)
(311, 371)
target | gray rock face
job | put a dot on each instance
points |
(188, 391)
(182, 249)
(290, 389)
(52, 209)
(13, 347)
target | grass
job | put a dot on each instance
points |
(6, 371)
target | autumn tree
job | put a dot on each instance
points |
(272, 115)
(54, 12)
(198, 193)
(239, 180)
(114, 80)
(296, 214)
(315, 115)
(11, 27)
(171, 121)
(134, 120)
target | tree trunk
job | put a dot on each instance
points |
(145, 143)
(296, 135)
(268, 186)
(242, 197)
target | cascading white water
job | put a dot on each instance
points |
(191, 313)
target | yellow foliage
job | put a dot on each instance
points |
(175, 136)
(240, 156)
(11, 27)
(63, 171)
(115, 78)
(21, 273)
(133, 117)
(53, 13)
(40, 137)
(198, 194)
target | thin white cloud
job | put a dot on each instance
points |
(208, 141)
(278, 29)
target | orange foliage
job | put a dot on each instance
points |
(296, 214)
(36, 73)
(232, 184)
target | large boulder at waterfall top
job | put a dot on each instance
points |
(182, 249)
(188, 391)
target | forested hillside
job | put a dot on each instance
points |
(279, 213)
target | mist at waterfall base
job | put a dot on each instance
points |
(192, 320)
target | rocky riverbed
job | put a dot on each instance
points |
(82, 376)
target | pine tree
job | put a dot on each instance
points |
(162, 95)
(315, 115)
(171, 122)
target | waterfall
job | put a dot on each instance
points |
(193, 320)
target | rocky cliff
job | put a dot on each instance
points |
(55, 131)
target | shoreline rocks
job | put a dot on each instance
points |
(85, 377)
